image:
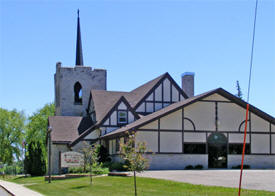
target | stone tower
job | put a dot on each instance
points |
(73, 84)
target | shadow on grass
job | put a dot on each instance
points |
(79, 187)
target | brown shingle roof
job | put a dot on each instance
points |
(137, 94)
(66, 129)
(105, 100)
(175, 106)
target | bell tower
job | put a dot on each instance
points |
(73, 84)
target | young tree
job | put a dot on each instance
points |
(90, 156)
(239, 91)
(134, 153)
(11, 134)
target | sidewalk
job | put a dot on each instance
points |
(18, 190)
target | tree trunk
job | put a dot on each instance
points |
(91, 180)
(135, 183)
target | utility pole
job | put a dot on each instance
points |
(49, 154)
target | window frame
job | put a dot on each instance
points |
(118, 117)
(194, 143)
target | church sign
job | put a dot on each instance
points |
(72, 159)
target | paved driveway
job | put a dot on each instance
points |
(252, 179)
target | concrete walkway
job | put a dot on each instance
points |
(18, 189)
(252, 179)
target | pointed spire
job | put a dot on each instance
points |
(79, 55)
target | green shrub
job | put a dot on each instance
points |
(198, 167)
(118, 166)
(100, 170)
(75, 170)
(189, 167)
(96, 169)
(35, 163)
(103, 155)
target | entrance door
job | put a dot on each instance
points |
(217, 151)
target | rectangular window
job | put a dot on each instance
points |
(117, 145)
(194, 148)
(113, 146)
(122, 117)
(238, 148)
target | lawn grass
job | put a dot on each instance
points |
(118, 186)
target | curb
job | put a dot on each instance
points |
(7, 190)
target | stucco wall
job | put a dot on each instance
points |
(152, 125)
(202, 114)
(260, 143)
(170, 142)
(230, 116)
(172, 121)
(93, 135)
(215, 97)
(273, 144)
(150, 138)
(238, 138)
(258, 124)
(194, 137)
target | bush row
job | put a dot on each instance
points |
(188, 167)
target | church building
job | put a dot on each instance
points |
(179, 128)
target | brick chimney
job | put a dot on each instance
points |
(187, 83)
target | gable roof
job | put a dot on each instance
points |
(67, 128)
(173, 107)
(104, 117)
(104, 101)
(136, 95)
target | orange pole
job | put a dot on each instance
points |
(244, 141)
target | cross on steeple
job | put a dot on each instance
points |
(79, 54)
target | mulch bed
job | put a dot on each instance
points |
(118, 174)
(67, 176)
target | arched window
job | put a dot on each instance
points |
(77, 93)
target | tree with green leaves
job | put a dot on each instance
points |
(38, 124)
(134, 154)
(90, 156)
(239, 91)
(11, 135)
(36, 131)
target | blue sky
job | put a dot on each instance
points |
(136, 40)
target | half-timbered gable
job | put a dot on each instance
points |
(119, 115)
(165, 92)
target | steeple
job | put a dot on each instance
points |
(79, 55)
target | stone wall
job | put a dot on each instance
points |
(172, 161)
(56, 148)
(180, 161)
(255, 161)
(65, 79)
(176, 161)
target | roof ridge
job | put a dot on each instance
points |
(157, 78)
